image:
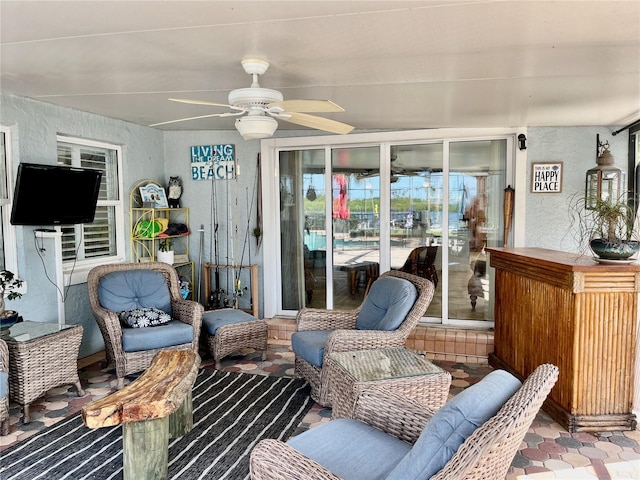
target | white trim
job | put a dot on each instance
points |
(76, 274)
(269, 170)
(9, 231)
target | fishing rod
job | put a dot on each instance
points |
(199, 294)
(214, 301)
(249, 212)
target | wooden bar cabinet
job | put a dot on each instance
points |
(567, 309)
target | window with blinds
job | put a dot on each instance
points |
(88, 242)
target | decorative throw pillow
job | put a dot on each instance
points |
(144, 317)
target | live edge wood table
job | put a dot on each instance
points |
(580, 315)
(397, 369)
(151, 409)
(41, 356)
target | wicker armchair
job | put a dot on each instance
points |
(486, 453)
(128, 362)
(344, 337)
(4, 378)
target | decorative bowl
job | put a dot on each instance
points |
(614, 251)
(8, 320)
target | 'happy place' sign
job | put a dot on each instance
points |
(546, 177)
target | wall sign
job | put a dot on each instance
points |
(546, 177)
(216, 162)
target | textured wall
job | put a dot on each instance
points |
(547, 214)
(34, 127)
(152, 154)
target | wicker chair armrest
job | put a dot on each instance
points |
(109, 321)
(318, 319)
(273, 459)
(350, 340)
(392, 413)
(190, 312)
(4, 356)
(187, 311)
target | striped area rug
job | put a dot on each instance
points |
(231, 413)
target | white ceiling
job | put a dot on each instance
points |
(390, 64)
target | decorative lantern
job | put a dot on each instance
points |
(604, 182)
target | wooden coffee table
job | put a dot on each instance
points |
(397, 369)
(41, 356)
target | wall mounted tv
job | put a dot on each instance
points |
(54, 195)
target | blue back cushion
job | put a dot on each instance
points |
(387, 305)
(453, 424)
(4, 384)
(131, 289)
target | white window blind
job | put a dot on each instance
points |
(99, 239)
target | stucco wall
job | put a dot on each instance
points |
(152, 154)
(548, 222)
(34, 126)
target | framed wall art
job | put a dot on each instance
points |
(153, 196)
(546, 177)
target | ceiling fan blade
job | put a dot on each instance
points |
(315, 106)
(318, 123)
(203, 102)
(226, 114)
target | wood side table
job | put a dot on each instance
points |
(397, 369)
(41, 356)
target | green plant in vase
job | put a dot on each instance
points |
(608, 226)
(165, 254)
(9, 284)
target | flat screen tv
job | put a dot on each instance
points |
(54, 195)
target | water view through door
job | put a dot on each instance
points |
(429, 209)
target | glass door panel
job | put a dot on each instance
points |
(302, 229)
(476, 192)
(356, 223)
(415, 215)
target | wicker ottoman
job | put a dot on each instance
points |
(397, 369)
(229, 330)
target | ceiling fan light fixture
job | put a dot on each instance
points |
(256, 127)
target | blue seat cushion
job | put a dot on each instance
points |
(4, 384)
(161, 336)
(131, 289)
(215, 319)
(387, 305)
(454, 423)
(309, 345)
(350, 449)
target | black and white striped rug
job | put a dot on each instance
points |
(231, 413)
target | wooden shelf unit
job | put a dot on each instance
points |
(253, 271)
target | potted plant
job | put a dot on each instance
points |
(608, 226)
(165, 254)
(8, 285)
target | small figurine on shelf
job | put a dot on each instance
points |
(174, 192)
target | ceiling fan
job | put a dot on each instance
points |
(396, 171)
(263, 105)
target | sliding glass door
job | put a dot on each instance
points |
(345, 214)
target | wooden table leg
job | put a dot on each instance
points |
(144, 449)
